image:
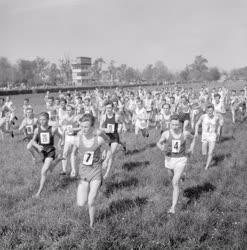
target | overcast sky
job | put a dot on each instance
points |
(135, 32)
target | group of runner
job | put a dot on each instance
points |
(89, 126)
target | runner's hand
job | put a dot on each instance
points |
(40, 148)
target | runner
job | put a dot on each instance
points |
(211, 127)
(70, 128)
(28, 125)
(141, 119)
(89, 152)
(109, 125)
(173, 143)
(43, 142)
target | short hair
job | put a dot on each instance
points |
(210, 106)
(28, 109)
(51, 98)
(109, 103)
(70, 106)
(26, 99)
(88, 118)
(215, 95)
(63, 100)
(166, 104)
(174, 118)
(44, 114)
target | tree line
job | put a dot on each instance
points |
(40, 71)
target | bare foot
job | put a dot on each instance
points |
(171, 211)
(37, 195)
(72, 174)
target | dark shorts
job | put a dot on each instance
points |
(184, 117)
(242, 105)
(49, 153)
(113, 137)
(27, 139)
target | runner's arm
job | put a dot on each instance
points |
(199, 122)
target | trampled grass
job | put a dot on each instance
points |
(133, 202)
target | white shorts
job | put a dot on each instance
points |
(209, 137)
(173, 162)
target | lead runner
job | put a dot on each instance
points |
(173, 142)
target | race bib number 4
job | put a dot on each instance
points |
(176, 146)
(110, 128)
(88, 158)
(45, 138)
(29, 129)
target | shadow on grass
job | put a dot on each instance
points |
(117, 185)
(219, 158)
(227, 138)
(121, 206)
(194, 193)
(132, 165)
(65, 181)
(136, 151)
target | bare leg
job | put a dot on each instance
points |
(211, 146)
(82, 193)
(114, 146)
(175, 184)
(44, 170)
(65, 155)
(94, 189)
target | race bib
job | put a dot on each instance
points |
(176, 144)
(143, 123)
(110, 128)
(29, 129)
(69, 129)
(88, 158)
(210, 128)
(45, 138)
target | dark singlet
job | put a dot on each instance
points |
(89, 156)
(176, 146)
(111, 125)
(45, 137)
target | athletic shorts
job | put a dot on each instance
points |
(113, 137)
(49, 152)
(184, 117)
(209, 137)
(90, 173)
(173, 162)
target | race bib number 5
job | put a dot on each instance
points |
(176, 146)
(88, 158)
(110, 128)
(45, 138)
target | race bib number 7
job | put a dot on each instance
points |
(88, 158)
(110, 128)
(176, 144)
(45, 138)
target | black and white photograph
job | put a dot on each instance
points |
(123, 124)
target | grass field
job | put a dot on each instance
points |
(133, 202)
